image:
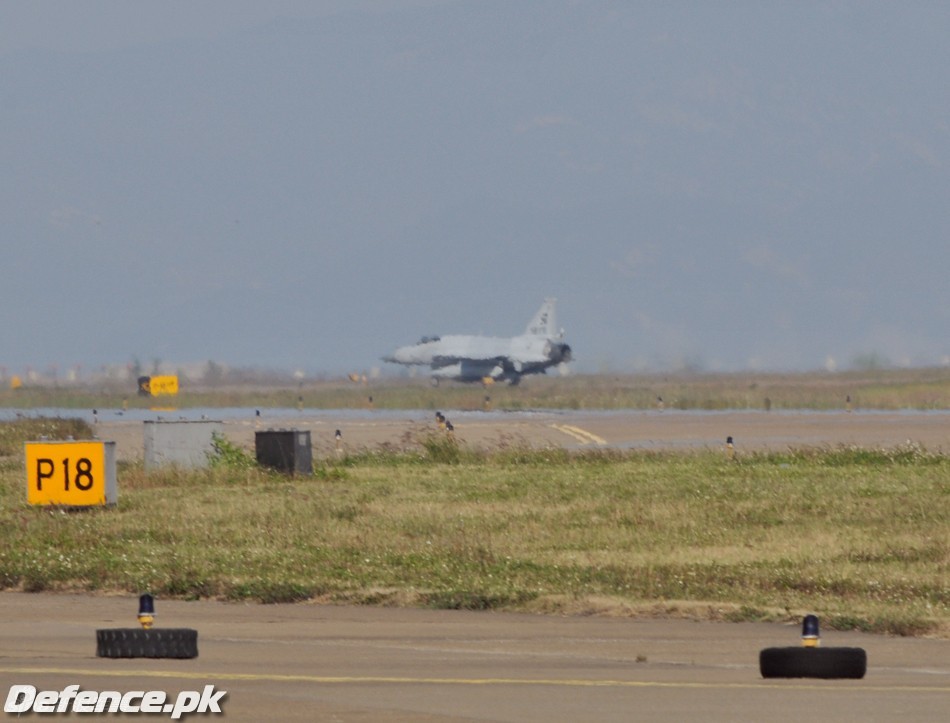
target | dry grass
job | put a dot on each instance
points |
(888, 389)
(857, 536)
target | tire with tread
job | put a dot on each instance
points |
(801, 662)
(151, 643)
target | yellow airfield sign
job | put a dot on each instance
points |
(163, 386)
(74, 474)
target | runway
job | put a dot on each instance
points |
(326, 663)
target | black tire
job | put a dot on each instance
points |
(152, 643)
(801, 662)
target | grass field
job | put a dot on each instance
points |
(860, 537)
(888, 389)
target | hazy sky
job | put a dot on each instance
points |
(720, 185)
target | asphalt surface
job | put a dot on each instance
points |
(325, 663)
(650, 430)
(328, 663)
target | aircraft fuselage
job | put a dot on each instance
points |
(476, 358)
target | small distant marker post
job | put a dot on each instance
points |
(730, 449)
(487, 403)
(847, 404)
(660, 404)
(299, 404)
(369, 401)
(339, 442)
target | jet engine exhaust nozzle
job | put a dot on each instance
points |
(560, 353)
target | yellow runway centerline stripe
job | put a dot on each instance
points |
(207, 676)
(581, 435)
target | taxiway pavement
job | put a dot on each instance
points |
(311, 662)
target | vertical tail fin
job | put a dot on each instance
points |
(544, 323)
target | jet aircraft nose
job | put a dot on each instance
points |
(397, 356)
(403, 355)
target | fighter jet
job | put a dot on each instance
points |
(490, 359)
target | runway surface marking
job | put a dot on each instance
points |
(381, 680)
(581, 435)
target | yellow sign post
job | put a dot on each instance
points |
(74, 474)
(164, 386)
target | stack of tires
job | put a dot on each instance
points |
(813, 662)
(151, 643)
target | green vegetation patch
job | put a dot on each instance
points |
(31, 429)
(860, 537)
